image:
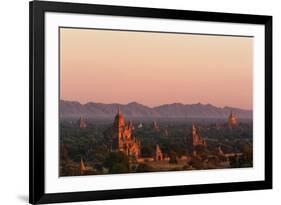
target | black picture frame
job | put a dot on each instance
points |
(37, 10)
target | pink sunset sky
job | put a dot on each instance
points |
(155, 68)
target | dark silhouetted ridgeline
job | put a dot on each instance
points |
(73, 109)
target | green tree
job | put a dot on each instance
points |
(144, 168)
(67, 166)
(246, 160)
(147, 150)
(173, 158)
(117, 162)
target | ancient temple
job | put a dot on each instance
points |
(82, 123)
(220, 151)
(196, 138)
(232, 121)
(123, 139)
(166, 133)
(155, 126)
(158, 154)
(82, 167)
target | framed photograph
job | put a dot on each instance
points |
(140, 102)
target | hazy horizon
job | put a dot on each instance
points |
(110, 103)
(153, 69)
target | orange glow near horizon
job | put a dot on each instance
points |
(155, 68)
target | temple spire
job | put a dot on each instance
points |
(196, 138)
(119, 119)
(82, 122)
(194, 130)
(82, 166)
(232, 121)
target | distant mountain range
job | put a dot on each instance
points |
(73, 109)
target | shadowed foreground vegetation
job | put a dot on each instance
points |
(93, 145)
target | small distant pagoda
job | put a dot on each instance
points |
(232, 121)
(155, 126)
(82, 167)
(166, 132)
(220, 151)
(82, 123)
(158, 154)
(196, 138)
